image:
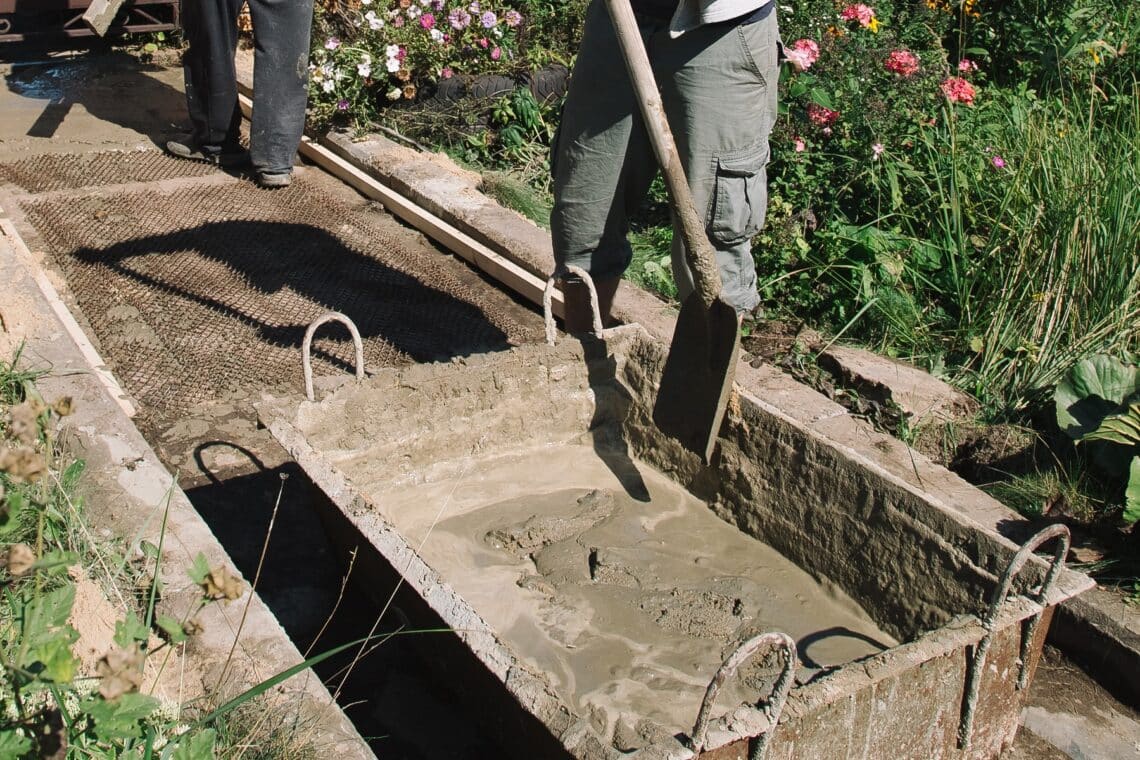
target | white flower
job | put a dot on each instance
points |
(414, 12)
(364, 69)
(497, 32)
(393, 65)
(366, 2)
(374, 22)
(394, 93)
(436, 35)
(328, 85)
(392, 51)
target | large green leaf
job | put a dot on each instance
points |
(12, 745)
(194, 746)
(1132, 492)
(122, 718)
(1123, 428)
(1094, 389)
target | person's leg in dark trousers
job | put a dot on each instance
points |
(211, 81)
(281, 31)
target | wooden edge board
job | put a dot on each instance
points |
(67, 320)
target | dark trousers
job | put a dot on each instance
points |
(280, 74)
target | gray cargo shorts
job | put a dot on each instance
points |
(718, 83)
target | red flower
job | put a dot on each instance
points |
(902, 62)
(820, 116)
(958, 90)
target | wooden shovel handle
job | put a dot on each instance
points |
(699, 253)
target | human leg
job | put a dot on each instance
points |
(281, 31)
(211, 82)
(719, 88)
(602, 166)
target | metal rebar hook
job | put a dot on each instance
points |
(306, 348)
(548, 301)
(775, 702)
(1029, 627)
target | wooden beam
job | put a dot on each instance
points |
(100, 14)
(502, 269)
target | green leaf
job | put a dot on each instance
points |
(196, 746)
(173, 630)
(10, 509)
(1132, 493)
(822, 97)
(121, 719)
(70, 477)
(12, 745)
(1094, 389)
(149, 550)
(53, 659)
(129, 630)
(199, 569)
(1123, 428)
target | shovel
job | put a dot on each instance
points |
(698, 372)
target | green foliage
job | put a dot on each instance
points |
(1098, 403)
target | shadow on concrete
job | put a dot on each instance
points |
(804, 644)
(112, 86)
(291, 259)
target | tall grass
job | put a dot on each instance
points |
(1038, 256)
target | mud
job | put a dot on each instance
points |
(628, 605)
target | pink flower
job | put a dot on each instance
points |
(496, 54)
(332, 43)
(958, 90)
(902, 62)
(800, 147)
(459, 18)
(484, 42)
(876, 150)
(446, 72)
(965, 66)
(512, 18)
(803, 54)
(859, 12)
(342, 105)
(820, 116)
(998, 162)
(427, 21)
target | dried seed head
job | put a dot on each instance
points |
(63, 406)
(19, 559)
(121, 671)
(219, 584)
(24, 421)
(23, 464)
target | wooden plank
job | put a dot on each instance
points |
(100, 14)
(502, 269)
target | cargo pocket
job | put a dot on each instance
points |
(740, 197)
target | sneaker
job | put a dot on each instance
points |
(227, 157)
(274, 179)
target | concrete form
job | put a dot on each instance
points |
(923, 571)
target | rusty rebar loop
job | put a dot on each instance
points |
(773, 706)
(307, 343)
(1005, 582)
(561, 274)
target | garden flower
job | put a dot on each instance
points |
(332, 43)
(405, 4)
(404, 75)
(496, 54)
(366, 2)
(409, 91)
(427, 21)
(800, 147)
(392, 51)
(393, 94)
(958, 90)
(902, 62)
(864, 14)
(446, 72)
(342, 105)
(998, 162)
(820, 116)
(876, 150)
(364, 69)
(398, 21)
(803, 54)
(484, 42)
(374, 21)
(414, 12)
(437, 5)
(459, 18)
(438, 36)
(474, 7)
(393, 65)
(328, 85)
(488, 19)
(512, 18)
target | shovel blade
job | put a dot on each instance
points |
(698, 374)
